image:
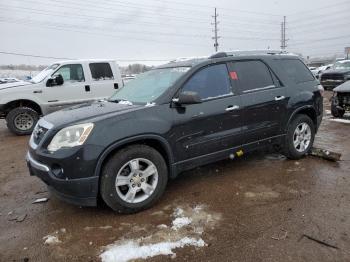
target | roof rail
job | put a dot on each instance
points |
(250, 52)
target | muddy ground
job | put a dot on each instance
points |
(262, 205)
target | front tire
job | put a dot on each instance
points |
(300, 137)
(133, 179)
(22, 120)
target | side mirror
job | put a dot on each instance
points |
(55, 81)
(187, 98)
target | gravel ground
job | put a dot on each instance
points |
(255, 208)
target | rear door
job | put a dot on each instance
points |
(263, 99)
(103, 83)
(213, 125)
(70, 93)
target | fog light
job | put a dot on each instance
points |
(57, 170)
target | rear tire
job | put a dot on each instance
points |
(300, 137)
(133, 179)
(22, 120)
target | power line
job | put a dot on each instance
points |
(93, 9)
(65, 58)
(67, 27)
(319, 8)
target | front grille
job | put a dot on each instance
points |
(332, 77)
(38, 133)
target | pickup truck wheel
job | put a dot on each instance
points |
(300, 137)
(22, 120)
(133, 179)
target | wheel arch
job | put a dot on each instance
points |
(22, 103)
(155, 141)
(305, 110)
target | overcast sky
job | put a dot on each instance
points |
(128, 30)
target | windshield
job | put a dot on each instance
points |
(342, 65)
(148, 86)
(43, 74)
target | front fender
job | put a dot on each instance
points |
(129, 140)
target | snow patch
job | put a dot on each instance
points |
(187, 226)
(344, 121)
(180, 222)
(51, 240)
(125, 102)
(133, 250)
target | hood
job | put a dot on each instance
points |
(14, 84)
(345, 87)
(336, 71)
(89, 112)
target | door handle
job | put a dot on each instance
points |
(277, 98)
(231, 108)
(87, 88)
(37, 91)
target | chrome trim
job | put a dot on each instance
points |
(42, 122)
(259, 89)
(36, 164)
(278, 98)
(31, 143)
(231, 108)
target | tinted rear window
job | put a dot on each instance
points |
(101, 71)
(297, 70)
(252, 75)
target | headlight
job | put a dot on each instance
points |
(71, 136)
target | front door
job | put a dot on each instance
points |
(213, 125)
(71, 92)
(263, 99)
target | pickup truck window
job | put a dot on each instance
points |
(101, 71)
(252, 76)
(210, 82)
(297, 70)
(71, 73)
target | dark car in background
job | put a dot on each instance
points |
(174, 118)
(334, 77)
(341, 100)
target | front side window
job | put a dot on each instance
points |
(71, 73)
(297, 70)
(252, 75)
(210, 82)
(150, 85)
(101, 71)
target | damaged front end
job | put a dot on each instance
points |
(341, 100)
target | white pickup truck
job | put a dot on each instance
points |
(60, 85)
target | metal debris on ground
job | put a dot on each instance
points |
(40, 200)
(325, 154)
(318, 241)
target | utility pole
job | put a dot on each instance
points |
(283, 34)
(216, 37)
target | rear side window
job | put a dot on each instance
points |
(101, 71)
(297, 70)
(210, 82)
(252, 75)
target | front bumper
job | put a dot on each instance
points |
(79, 191)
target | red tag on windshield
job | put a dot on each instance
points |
(233, 75)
